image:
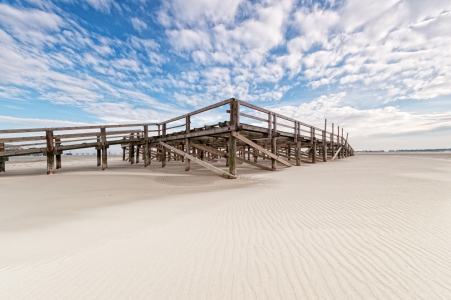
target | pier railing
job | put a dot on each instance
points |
(270, 127)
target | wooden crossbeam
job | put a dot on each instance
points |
(338, 151)
(225, 154)
(261, 149)
(200, 162)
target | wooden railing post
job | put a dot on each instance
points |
(99, 152)
(232, 154)
(338, 140)
(58, 154)
(131, 149)
(298, 143)
(163, 154)
(274, 143)
(332, 141)
(313, 146)
(50, 156)
(147, 155)
(2, 159)
(342, 144)
(325, 141)
(187, 142)
(104, 148)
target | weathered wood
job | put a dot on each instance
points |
(261, 149)
(226, 155)
(99, 152)
(163, 154)
(50, 156)
(23, 139)
(274, 143)
(146, 152)
(187, 145)
(335, 156)
(202, 163)
(58, 154)
(104, 148)
(2, 159)
(232, 153)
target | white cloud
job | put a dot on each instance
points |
(180, 13)
(362, 124)
(188, 40)
(102, 5)
(138, 24)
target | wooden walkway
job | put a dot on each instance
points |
(267, 136)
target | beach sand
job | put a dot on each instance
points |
(365, 227)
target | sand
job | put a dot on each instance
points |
(366, 227)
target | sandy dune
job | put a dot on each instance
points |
(366, 227)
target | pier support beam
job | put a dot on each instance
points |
(131, 153)
(99, 157)
(146, 150)
(104, 148)
(313, 151)
(187, 144)
(58, 154)
(50, 156)
(2, 159)
(163, 149)
(232, 154)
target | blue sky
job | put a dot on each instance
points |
(381, 69)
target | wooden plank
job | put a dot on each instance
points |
(200, 162)
(261, 149)
(253, 117)
(212, 131)
(338, 151)
(73, 128)
(23, 139)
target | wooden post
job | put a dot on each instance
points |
(187, 143)
(342, 144)
(146, 153)
(2, 159)
(325, 141)
(269, 126)
(104, 149)
(227, 151)
(332, 141)
(58, 154)
(313, 146)
(338, 141)
(50, 156)
(346, 145)
(274, 144)
(232, 154)
(99, 156)
(137, 153)
(255, 155)
(163, 154)
(298, 145)
(131, 152)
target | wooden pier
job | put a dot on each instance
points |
(264, 136)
